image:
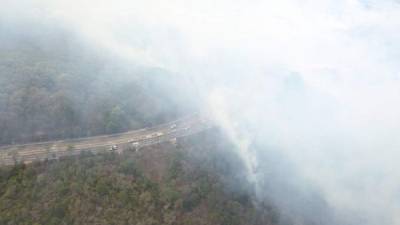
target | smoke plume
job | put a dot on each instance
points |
(308, 91)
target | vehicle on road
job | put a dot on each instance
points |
(157, 134)
(135, 145)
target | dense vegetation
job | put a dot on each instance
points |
(187, 183)
(55, 86)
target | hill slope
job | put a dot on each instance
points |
(186, 183)
(54, 85)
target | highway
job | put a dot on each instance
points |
(136, 139)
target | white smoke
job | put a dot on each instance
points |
(318, 82)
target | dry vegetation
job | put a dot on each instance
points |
(187, 183)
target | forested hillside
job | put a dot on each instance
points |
(199, 181)
(55, 86)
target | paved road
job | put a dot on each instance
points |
(28, 153)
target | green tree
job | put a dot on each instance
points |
(115, 120)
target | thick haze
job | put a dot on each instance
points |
(308, 90)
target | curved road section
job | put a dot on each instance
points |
(28, 153)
